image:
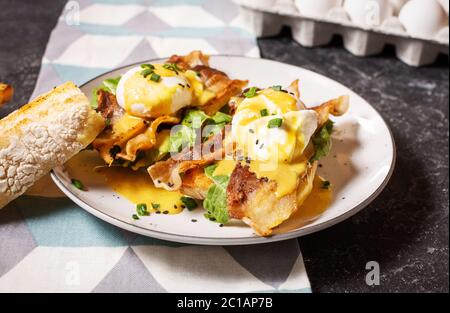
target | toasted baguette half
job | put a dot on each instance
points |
(43, 134)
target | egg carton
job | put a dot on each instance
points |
(418, 41)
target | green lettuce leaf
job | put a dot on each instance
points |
(111, 84)
(322, 141)
(193, 121)
(215, 202)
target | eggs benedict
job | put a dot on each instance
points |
(249, 154)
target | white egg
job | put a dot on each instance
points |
(316, 8)
(120, 90)
(423, 18)
(368, 13)
(397, 5)
(444, 4)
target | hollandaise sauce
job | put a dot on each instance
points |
(138, 187)
(314, 205)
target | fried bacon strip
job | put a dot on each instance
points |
(107, 104)
(214, 80)
(336, 107)
(167, 174)
(146, 140)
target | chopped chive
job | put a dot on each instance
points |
(155, 205)
(135, 217)
(326, 185)
(155, 77)
(150, 66)
(275, 123)
(141, 209)
(277, 88)
(146, 72)
(189, 203)
(264, 112)
(172, 67)
(77, 184)
(251, 92)
(107, 122)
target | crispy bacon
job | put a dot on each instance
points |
(336, 107)
(167, 174)
(146, 140)
(107, 104)
(214, 80)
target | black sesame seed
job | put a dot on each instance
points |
(183, 206)
(194, 221)
(257, 141)
(221, 225)
(251, 131)
(175, 206)
(158, 212)
(166, 212)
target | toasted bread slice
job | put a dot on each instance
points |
(45, 133)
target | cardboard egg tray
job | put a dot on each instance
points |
(267, 17)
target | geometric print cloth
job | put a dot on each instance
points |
(49, 244)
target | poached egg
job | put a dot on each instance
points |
(272, 134)
(163, 91)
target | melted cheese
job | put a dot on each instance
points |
(137, 187)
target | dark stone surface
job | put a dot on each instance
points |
(25, 27)
(405, 229)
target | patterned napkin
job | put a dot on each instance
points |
(49, 244)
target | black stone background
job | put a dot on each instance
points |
(405, 229)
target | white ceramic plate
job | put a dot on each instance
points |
(359, 165)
